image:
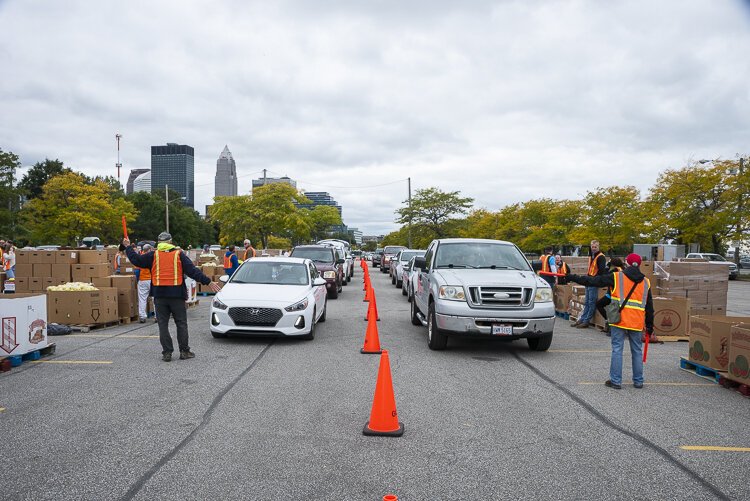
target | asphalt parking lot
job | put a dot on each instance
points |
(105, 418)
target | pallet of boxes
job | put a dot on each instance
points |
(210, 265)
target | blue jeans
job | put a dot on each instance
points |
(636, 352)
(589, 304)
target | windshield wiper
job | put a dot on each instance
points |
(495, 267)
(457, 266)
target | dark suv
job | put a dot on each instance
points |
(389, 252)
(376, 257)
(330, 267)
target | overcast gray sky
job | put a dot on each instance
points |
(504, 101)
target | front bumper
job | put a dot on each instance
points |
(453, 317)
(221, 323)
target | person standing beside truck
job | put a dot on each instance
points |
(597, 266)
(168, 266)
(562, 269)
(548, 266)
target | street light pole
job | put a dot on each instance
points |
(166, 198)
(408, 179)
(739, 213)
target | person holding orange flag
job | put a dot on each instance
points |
(631, 292)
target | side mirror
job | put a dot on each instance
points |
(340, 261)
(224, 279)
(318, 282)
(420, 263)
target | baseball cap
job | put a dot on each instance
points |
(633, 259)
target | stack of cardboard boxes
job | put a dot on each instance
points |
(705, 284)
(127, 295)
(213, 272)
(721, 343)
(37, 270)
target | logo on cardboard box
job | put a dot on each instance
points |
(36, 331)
(739, 368)
(667, 320)
(9, 335)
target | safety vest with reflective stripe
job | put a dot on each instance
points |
(545, 264)
(563, 268)
(6, 262)
(167, 268)
(227, 261)
(145, 273)
(116, 260)
(633, 314)
(593, 267)
(249, 249)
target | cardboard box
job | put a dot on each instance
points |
(82, 307)
(66, 257)
(24, 323)
(123, 282)
(36, 284)
(101, 282)
(127, 303)
(47, 257)
(92, 257)
(671, 316)
(42, 270)
(23, 257)
(61, 272)
(709, 339)
(718, 310)
(739, 353)
(22, 284)
(85, 272)
(24, 270)
(563, 294)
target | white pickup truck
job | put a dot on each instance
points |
(486, 288)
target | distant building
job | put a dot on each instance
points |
(173, 165)
(134, 173)
(142, 182)
(226, 175)
(356, 235)
(320, 198)
(273, 180)
(373, 238)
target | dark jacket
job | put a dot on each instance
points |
(234, 261)
(188, 268)
(608, 280)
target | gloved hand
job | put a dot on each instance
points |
(572, 278)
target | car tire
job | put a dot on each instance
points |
(218, 335)
(325, 312)
(400, 285)
(393, 279)
(403, 290)
(333, 293)
(436, 339)
(414, 310)
(311, 335)
(540, 343)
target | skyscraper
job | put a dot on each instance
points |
(134, 173)
(257, 183)
(142, 182)
(173, 165)
(226, 175)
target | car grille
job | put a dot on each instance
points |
(507, 297)
(255, 317)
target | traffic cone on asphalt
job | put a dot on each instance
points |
(368, 292)
(383, 416)
(372, 306)
(372, 339)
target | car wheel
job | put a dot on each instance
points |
(393, 279)
(403, 289)
(400, 284)
(414, 313)
(436, 339)
(540, 343)
(325, 311)
(333, 293)
(218, 335)
(311, 335)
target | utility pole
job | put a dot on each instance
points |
(739, 214)
(118, 136)
(264, 177)
(408, 179)
(166, 198)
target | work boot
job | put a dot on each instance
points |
(576, 323)
(167, 357)
(184, 355)
(606, 328)
(608, 383)
(638, 385)
(583, 325)
(141, 320)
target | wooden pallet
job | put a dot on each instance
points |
(671, 339)
(128, 320)
(702, 371)
(206, 293)
(563, 315)
(727, 382)
(16, 360)
(84, 328)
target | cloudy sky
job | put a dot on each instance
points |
(504, 101)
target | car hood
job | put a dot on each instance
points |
(489, 277)
(258, 293)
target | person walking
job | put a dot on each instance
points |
(632, 291)
(168, 265)
(144, 287)
(615, 264)
(231, 261)
(597, 266)
(249, 250)
(548, 266)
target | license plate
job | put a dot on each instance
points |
(502, 330)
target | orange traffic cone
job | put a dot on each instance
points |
(383, 416)
(372, 306)
(372, 340)
(368, 292)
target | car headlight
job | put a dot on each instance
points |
(297, 306)
(452, 293)
(218, 304)
(543, 295)
(329, 274)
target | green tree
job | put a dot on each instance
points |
(69, 208)
(369, 246)
(232, 216)
(185, 224)
(9, 194)
(615, 216)
(37, 176)
(273, 211)
(320, 220)
(432, 209)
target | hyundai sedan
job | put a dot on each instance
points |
(279, 296)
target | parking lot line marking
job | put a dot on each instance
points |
(581, 351)
(2, 409)
(713, 448)
(122, 336)
(91, 362)
(656, 383)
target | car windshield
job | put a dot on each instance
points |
(407, 255)
(480, 255)
(318, 255)
(714, 257)
(270, 273)
(393, 249)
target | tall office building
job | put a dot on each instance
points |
(173, 165)
(226, 175)
(272, 180)
(142, 182)
(134, 173)
(320, 198)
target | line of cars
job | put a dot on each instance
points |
(282, 296)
